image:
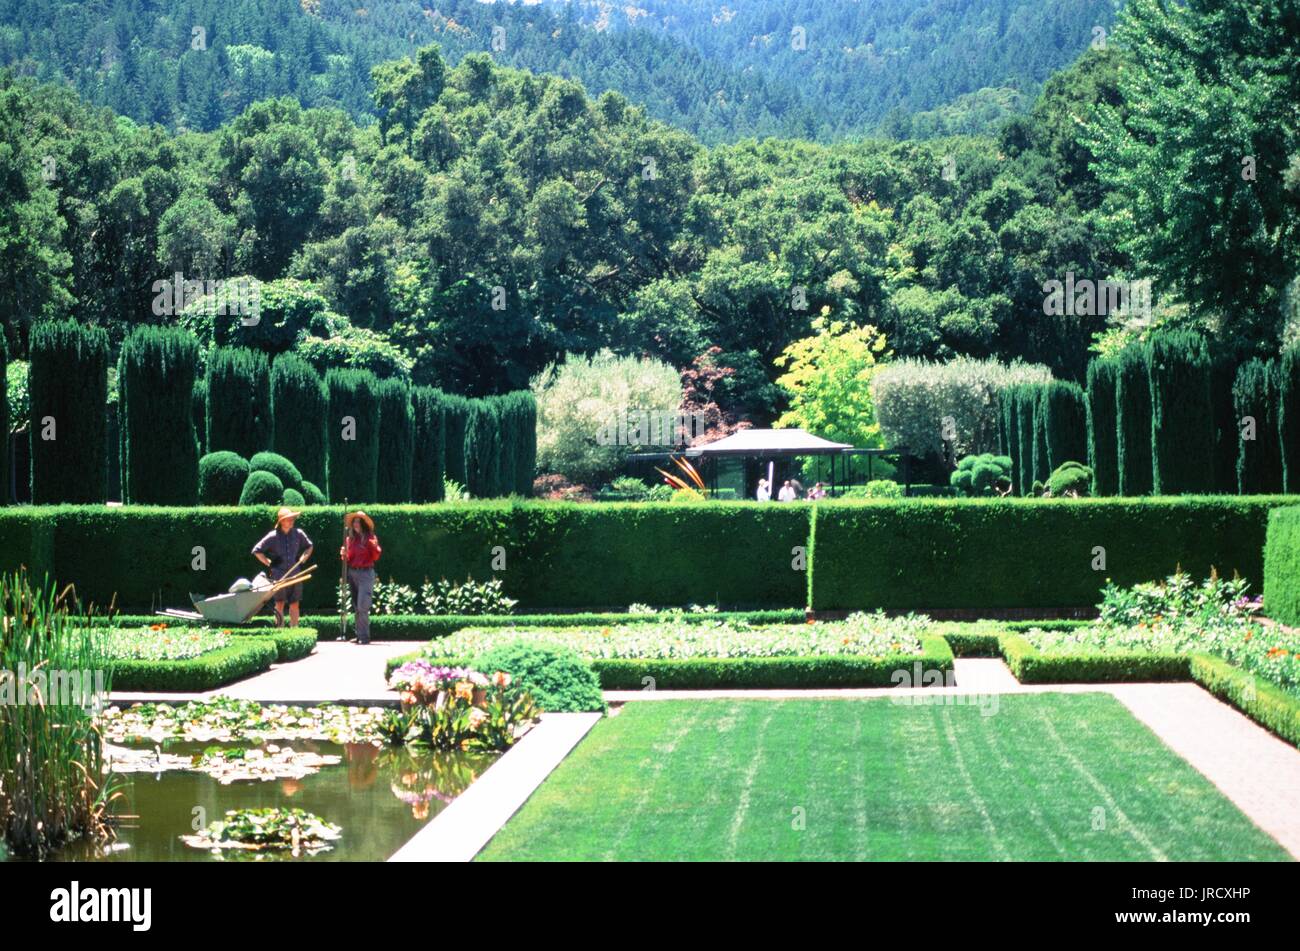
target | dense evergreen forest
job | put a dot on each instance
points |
(492, 220)
(817, 69)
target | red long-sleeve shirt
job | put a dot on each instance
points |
(363, 552)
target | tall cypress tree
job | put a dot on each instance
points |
(1066, 423)
(199, 412)
(160, 452)
(482, 450)
(1182, 417)
(1042, 456)
(1133, 410)
(1011, 433)
(396, 441)
(526, 455)
(299, 410)
(456, 416)
(352, 425)
(1103, 438)
(429, 458)
(1288, 418)
(1025, 398)
(4, 420)
(239, 401)
(68, 391)
(1222, 374)
(508, 427)
(1259, 457)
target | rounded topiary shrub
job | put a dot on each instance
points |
(312, 494)
(221, 478)
(278, 466)
(559, 680)
(292, 497)
(262, 488)
(1070, 478)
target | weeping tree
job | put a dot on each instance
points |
(299, 411)
(396, 441)
(1259, 457)
(239, 401)
(67, 393)
(1065, 423)
(456, 415)
(352, 422)
(1182, 416)
(1103, 441)
(1288, 418)
(1133, 410)
(429, 454)
(159, 451)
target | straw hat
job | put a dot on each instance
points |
(285, 512)
(369, 522)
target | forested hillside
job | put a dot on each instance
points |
(819, 69)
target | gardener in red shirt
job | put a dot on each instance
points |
(360, 551)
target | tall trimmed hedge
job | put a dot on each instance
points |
(239, 401)
(353, 462)
(1133, 410)
(456, 419)
(68, 385)
(1010, 429)
(1255, 398)
(1025, 553)
(159, 450)
(429, 458)
(396, 441)
(4, 420)
(483, 450)
(526, 433)
(1103, 438)
(300, 407)
(1026, 396)
(1223, 373)
(1282, 566)
(1182, 415)
(1065, 423)
(1288, 418)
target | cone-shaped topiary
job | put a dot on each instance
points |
(221, 478)
(300, 405)
(279, 466)
(67, 393)
(262, 488)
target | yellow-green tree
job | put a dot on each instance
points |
(828, 377)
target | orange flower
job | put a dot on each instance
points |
(501, 678)
(464, 690)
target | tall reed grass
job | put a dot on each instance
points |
(52, 782)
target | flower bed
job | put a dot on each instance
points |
(158, 642)
(458, 708)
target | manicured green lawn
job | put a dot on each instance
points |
(1048, 776)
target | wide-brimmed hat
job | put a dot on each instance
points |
(285, 512)
(370, 523)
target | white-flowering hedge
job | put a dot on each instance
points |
(914, 398)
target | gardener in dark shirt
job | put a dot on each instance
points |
(281, 549)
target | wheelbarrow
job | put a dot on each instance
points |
(237, 607)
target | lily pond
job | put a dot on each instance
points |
(177, 771)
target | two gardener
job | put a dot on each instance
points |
(286, 546)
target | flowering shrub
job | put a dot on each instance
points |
(458, 708)
(441, 597)
(1179, 616)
